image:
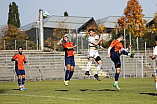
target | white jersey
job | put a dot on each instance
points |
(155, 51)
(92, 39)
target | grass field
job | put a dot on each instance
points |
(133, 91)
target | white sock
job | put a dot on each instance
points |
(116, 82)
(88, 65)
(156, 85)
(98, 68)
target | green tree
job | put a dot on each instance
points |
(66, 13)
(13, 15)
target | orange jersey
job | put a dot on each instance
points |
(21, 59)
(68, 52)
(116, 45)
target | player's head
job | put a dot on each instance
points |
(20, 49)
(91, 31)
(65, 38)
(120, 36)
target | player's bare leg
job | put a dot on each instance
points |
(122, 51)
(98, 69)
(155, 79)
(88, 66)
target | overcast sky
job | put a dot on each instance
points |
(86, 8)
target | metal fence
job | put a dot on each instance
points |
(14, 44)
(49, 62)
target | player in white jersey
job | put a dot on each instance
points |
(93, 41)
(153, 57)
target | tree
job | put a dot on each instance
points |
(155, 20)
(10, 34)
(132, 19)
(65, 13)
(13, 15)
(58, 33)
(100, 29)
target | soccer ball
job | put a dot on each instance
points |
(45, 14)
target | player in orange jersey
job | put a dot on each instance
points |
(19, 59)
(69, 59)
(114, 51)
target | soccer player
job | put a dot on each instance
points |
(69, 59)
(19, 59)
(153, 57)
(93, 42)
(114, 52)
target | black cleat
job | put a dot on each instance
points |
(97, 77)
(87, 73)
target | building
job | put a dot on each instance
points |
(77, 24)
(110, 22)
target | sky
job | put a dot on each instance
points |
(97, 9)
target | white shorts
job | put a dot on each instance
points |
(93, 53)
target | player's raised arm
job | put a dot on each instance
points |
(109, 52)
(97, 42)
(72, 47)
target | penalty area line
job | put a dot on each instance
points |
(68, 98)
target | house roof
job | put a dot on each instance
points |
(69, 22)
(111, 21)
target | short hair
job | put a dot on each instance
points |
(155, 38)
(91, 30)
(120, 35)
(65, 36)
(20, 47)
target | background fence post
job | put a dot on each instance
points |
(4, 44)
(26, 44)
(142, 66)
(154, 65)
(145, 54)
(135, 66)
(37, 45)
(81, 44)
(6, 59)
(77, 41)
(123, 66)
(103, 61)
(15, 44)
(137, 49)
(130, 40)
(14, 72)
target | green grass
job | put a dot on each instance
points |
(133, 91)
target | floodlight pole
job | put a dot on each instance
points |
(124, 39)
(41, 32)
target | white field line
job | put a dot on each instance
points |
(42, 96)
